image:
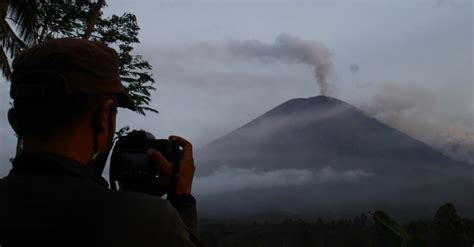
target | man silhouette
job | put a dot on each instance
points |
(65, 96)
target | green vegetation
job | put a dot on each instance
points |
(447, 229)
(24, 23)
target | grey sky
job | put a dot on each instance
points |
(427, 45)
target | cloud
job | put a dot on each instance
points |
(226, 179)
(329, 174)
(286, 48)
(292, 49)
(456, 143)
(393, 103)
(418, 112)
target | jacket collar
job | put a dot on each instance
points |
(52, 163)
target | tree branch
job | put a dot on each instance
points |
(94, 15)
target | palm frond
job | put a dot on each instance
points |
(9, 40)
(25, 15)
(10, 43)
(5, 65)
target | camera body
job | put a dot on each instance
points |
(133, 169)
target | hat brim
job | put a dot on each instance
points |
(126, 101)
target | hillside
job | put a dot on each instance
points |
(344, 157)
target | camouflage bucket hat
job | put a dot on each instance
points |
(68, 67)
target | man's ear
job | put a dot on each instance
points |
(100, 118)
(13, 120)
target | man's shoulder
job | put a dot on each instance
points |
(109, 216)
(135, 201)
(140, 218)
(80, 190)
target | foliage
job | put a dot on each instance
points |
(28, 22)
(121, 132)
(401, 236)
(122, 31)
(446, 229)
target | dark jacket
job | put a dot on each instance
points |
(48, 199)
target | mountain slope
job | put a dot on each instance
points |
(318, 131)
(326, 153)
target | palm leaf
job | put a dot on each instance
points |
(10, 41)
(5, 65)
(391, 225)
(11, 44)
(406, 239)
(25, 15)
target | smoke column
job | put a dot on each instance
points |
(291, 49)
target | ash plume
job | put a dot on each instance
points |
(289, 48)
(415, 111)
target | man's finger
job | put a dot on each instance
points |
(187, 146)
(181, 141)
(163, 164)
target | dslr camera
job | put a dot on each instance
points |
(133, 170)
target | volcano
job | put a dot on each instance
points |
(348, 157)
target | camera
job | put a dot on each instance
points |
(132, 168)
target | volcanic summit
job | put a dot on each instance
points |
(351, 157)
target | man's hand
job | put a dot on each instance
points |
(186, 170)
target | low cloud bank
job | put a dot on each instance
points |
(329, 174)
(226, 179)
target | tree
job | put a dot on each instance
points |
(13, 43)
(93, 17)
(448, 227)
(122, 32)
(28, 22)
